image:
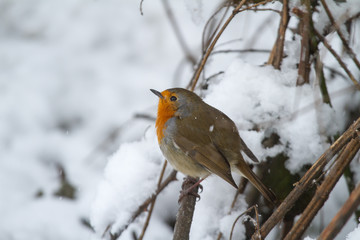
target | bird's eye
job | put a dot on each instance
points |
(173, 98)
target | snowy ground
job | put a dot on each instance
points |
(73, 72)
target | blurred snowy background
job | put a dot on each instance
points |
(77, 144)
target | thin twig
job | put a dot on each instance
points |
(141, 7)
(177, 31)
(338, 58)
(212, 45)
(146, 224)
(265, 9)
(307, 180)
(322, 192)
(343, 40)
(241, 51)
(342, 216)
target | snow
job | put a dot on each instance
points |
(354, 235)
(73, 73)
(138, 163)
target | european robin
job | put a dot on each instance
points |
(198, 139)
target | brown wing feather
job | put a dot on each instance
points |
(207, 156)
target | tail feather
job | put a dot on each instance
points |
(265, 191)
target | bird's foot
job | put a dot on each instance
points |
(192, 190)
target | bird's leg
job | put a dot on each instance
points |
(196, 183)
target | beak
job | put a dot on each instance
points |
(157, 93)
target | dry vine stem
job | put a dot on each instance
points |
(342, 216)
(307, 180)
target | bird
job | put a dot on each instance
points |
(199, 140)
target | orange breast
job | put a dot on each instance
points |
(165, 111)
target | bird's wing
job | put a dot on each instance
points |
(198, 145)
(226, 135)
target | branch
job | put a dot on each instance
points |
(323, 192)
(185, 212)
(342, 216)
(241, 51)
(307, 180)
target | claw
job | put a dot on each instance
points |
(201, 188)
(184, 193)
(191, 190)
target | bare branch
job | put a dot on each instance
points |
(185, 212)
